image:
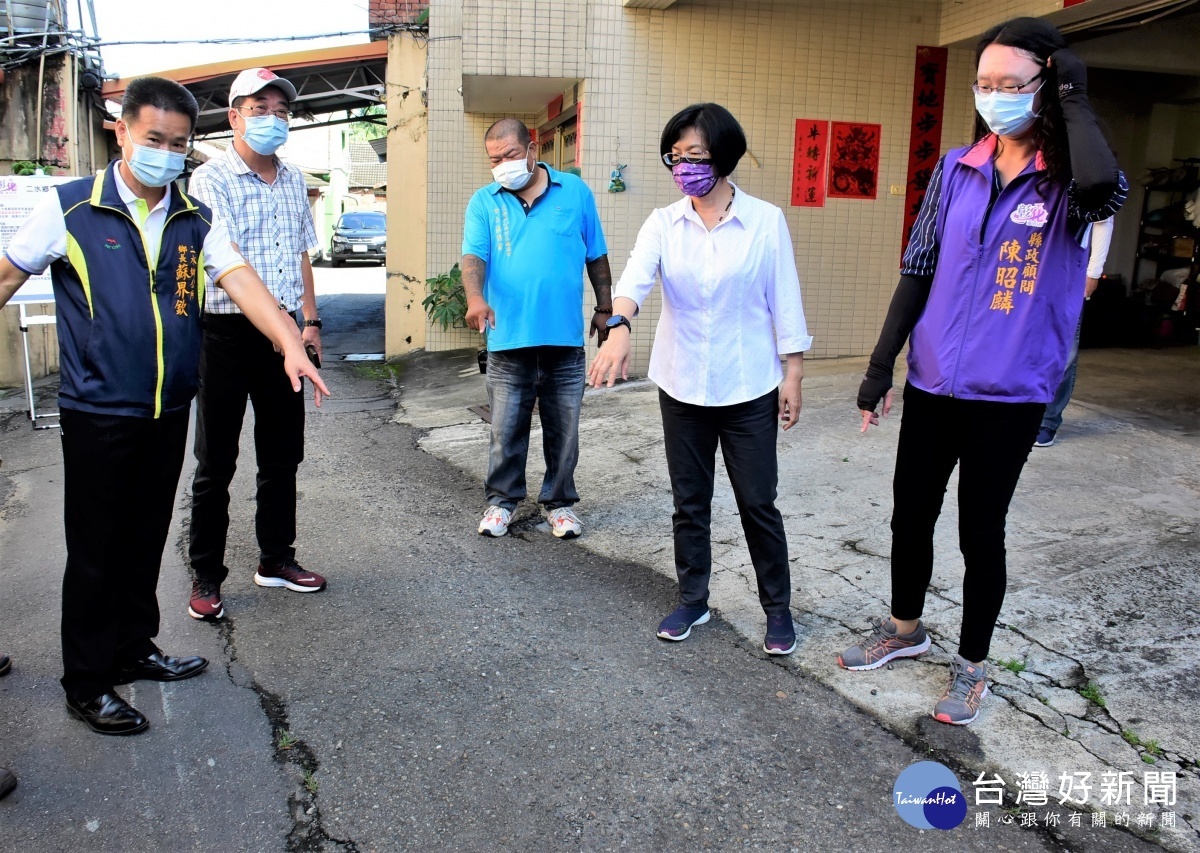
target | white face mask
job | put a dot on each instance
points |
(513, 174)
(1008, 114)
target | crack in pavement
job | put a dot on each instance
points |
(308, 833)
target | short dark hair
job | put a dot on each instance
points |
(159, 92)
(506, 127)
(716, 125)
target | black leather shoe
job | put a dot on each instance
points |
(108, 714)
(5, 664)
(160, 667)
(8, 781)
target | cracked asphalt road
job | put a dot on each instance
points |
(446, 692)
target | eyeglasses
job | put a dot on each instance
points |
(673, 159)
(261, 110)
(1004, 90)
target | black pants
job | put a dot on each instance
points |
(747, 433)
(238, 362)
(119, 481)
(990, 442)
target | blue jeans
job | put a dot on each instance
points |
(1054, 412)
(516, 378)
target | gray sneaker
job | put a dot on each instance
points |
(883, 645)
(964, 694)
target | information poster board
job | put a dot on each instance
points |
(18, 195)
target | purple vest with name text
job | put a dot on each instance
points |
(1006, 296)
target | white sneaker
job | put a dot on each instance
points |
(564, 523)
(495, 521)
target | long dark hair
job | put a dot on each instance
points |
(1038, 40)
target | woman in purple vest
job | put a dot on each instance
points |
(990, 290)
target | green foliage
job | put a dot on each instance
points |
(446, 303)
(24, 168)
(365, 131)
(1013, 665)
(1092, 693)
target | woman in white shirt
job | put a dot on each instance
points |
(731, 308)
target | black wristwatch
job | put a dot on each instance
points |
(618, 320)
(315, 324)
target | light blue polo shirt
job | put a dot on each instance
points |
(535, 261)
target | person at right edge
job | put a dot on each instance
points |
(1052, 420)
(991, 289)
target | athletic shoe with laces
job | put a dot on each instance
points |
(1045, 437)
(883, 644)
(679, 624)
(495, 521)
(781, 635)
(964, 694)
(206, 601)
(290, 575)
(564, 523)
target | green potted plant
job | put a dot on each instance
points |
(446, 302)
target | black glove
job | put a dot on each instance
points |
(1071, 73)
(876, 383)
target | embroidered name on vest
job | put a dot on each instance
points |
(1033, 215)
(1016, 259)
(185, 280)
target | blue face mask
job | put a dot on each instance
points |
(1005, 114)
(265, 134)
(155, 167)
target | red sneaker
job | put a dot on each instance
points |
(206, 601)
(289, 574)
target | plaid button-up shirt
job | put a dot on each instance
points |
(271, 224)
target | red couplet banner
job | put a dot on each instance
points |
(925, 141)
(808, 164)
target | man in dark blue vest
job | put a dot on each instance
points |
(128, 252)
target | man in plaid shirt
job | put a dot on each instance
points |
(265, 203)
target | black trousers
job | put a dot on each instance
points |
(990, 442)
(747, 433)
(239, 363)
(119, 480)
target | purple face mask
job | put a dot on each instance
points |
(694, 179)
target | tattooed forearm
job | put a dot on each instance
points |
(473, 272)
(600, 276)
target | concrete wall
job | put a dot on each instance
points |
(66, 149)
(407, 170)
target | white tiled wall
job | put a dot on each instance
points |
(967, 19)
(770, 62)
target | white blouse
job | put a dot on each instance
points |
(731, 300)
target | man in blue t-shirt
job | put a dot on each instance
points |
(526, 241)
